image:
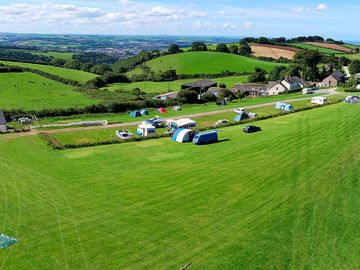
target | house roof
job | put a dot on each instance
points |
(271, 85)
(338, 75)
(295, 79)
(200, 83)
(2, 119)
(253, 87)
(214, 90)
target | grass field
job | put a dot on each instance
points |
(316, 48)
(33, 92)
(159, 87)
(71, 74)
(61, 55)
(284, 198)
(205, 63)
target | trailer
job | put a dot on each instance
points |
(146, 130)
(206, 138)
(319, 100)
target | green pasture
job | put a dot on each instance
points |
(71, 74)
(205, 63)
(316, 48)
(60, 55)
(284, 198)
(30, 91)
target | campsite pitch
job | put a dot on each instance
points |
(287, 197)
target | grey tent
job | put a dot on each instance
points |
(3, 122)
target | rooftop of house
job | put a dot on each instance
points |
(168, 95)
(201, 83)
(245, 87)
(338, 75)
(295, 79)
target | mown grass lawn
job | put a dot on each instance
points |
(30, 91)
(163, 87)
(206, 63)
(284, 198)
(71, 74)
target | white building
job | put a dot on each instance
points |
(275, 88)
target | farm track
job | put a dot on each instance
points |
(331, 91)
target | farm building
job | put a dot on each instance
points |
(215, 91)
(135, 114)
(3, 122)
(183, 135)
(295, 83)
(284, 106)
(275, 88)
(251, 89)
(200, 86)
(334, 79)
(241, 116)
(167, 96)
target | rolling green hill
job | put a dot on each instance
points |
(71, 74)
(205, 63)
(33, 92)
(284, 198)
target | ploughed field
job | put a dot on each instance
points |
(30, 91)
(273, 51)
(331, 46)
(284, 198)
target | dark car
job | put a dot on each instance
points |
(251, 129)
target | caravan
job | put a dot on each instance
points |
(146, 130)
(319, 100)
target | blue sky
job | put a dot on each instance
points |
(337, 19)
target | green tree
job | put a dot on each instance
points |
(173, 48)
(222, 47)
(277, 73)
(245, 50)
(234, 49)
(73, 64)
(188, 96)
(258, 76)
(198, 46)
(354, 67)
(308, 60)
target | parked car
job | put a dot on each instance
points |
(251, 129)
(239, 110)
(222, 122)
(123, 134)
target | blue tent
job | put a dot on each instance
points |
(183, 135)
(241, 116)
(284, 106)
(135, 114)
(144, 112)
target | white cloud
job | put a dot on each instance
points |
(248, 25)
(322, 7)
(196, 14)
(222, 13)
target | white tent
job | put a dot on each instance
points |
(183, 135)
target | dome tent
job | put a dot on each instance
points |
(135, 114)
(144, 112)
(241, 116)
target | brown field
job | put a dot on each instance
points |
(331, 46)
(273, 51)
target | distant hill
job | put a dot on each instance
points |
(206, 63)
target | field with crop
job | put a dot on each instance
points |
(61, 55)
(336, 47)
(33, 92)
(205, 63)
(71, 74)
(273, 51)
(284, 198)
(316, 48)
(161, 87)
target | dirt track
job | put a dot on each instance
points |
(331, 91)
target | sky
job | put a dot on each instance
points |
(328, 18)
